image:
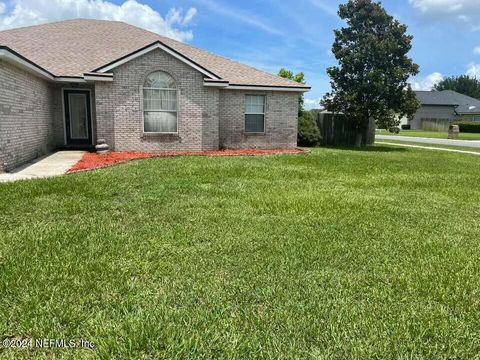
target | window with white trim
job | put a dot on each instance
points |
(160, 104)
(254, 113)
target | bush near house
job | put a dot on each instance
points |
(468, 126)
(308, 132)
(406, 127)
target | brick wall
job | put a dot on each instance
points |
(105, 103)
(119, 107)
(281, 120)
(26, 121)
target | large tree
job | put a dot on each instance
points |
(463, 84)
(299, 78)
(371, 79)
(308, 132)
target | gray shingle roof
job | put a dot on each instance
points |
(464, 104)
(75, 47)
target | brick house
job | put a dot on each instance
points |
(68, 84)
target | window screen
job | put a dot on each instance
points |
(255, 113)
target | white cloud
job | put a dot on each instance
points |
(175, 16)
(473, 70)
(3, 7)
(326, 6)
(31, 12)
(461, 11)
(477, 50)
(189, 16)
(238, 15)
(312, 103)
(428, 82)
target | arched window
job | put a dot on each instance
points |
(159, 104)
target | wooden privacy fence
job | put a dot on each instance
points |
(337, 130)
(431, 124)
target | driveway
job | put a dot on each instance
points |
(51, 165)
(423, 140)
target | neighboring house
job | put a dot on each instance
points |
(70, 83)
(445, 104)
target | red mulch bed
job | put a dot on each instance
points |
(92, 161)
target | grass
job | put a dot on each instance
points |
(333, 255)
(430, 134)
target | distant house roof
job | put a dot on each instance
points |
(73, 48)
(464, 104)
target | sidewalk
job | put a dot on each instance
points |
(423, 140)
(428, 148)
(51, 165)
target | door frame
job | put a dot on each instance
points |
(66, 126)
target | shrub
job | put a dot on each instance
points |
(394, 130)
(468, 126)
(406, 127)
(308, 132)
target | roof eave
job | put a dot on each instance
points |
(92, 76)
(428, 104)
(100, 74)
(11, 56)
(301, 89)
(21, 61)
(215, 83)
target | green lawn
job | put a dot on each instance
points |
(338, 254)
(431, 134)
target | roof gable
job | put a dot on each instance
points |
(156, 45)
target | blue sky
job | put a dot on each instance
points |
(270, 34)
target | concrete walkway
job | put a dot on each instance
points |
(51, 165)
(428, 148)
(423, 140)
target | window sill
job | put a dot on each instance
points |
(160, 135)
(254, 133)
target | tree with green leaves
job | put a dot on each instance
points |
(308, 132)
(299, 78)
(371, 79)
(463, 84)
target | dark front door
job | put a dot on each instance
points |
(78, 122)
